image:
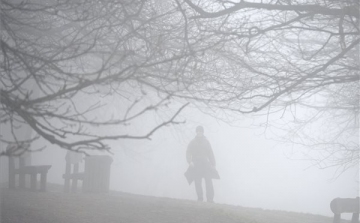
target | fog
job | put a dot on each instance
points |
(119, 69)
(255, 170)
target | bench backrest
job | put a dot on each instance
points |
(345, 205)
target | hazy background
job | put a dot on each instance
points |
(255, 170)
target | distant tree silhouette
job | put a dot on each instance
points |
(61, 59)
(279, 57)
(273, 57)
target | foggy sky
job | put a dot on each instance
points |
(255, 170)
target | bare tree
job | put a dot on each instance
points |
(265, 57)
(61, 58)
(280, 57)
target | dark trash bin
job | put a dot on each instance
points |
(97, 174)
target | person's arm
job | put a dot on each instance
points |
(189, 154)
(211, 156)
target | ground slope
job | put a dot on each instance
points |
(58, 207)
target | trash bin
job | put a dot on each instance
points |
(97, 174)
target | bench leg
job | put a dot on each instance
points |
(67, 180)
(355, 218)
(43, 181)
(33, 181)
(337, 218)
(11, 181)
(21, 175)
(21, 180)
(75, 181)
(11, 173)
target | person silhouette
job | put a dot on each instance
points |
(201, 160)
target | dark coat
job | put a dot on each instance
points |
(200, 153)
(192, 173)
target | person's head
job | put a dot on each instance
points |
(199, 130)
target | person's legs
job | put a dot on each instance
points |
(209, 190)
(198, 188)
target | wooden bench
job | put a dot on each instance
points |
(32, 171)
(97, 174)
(72, 174)
(95, 177)
(345, 205)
